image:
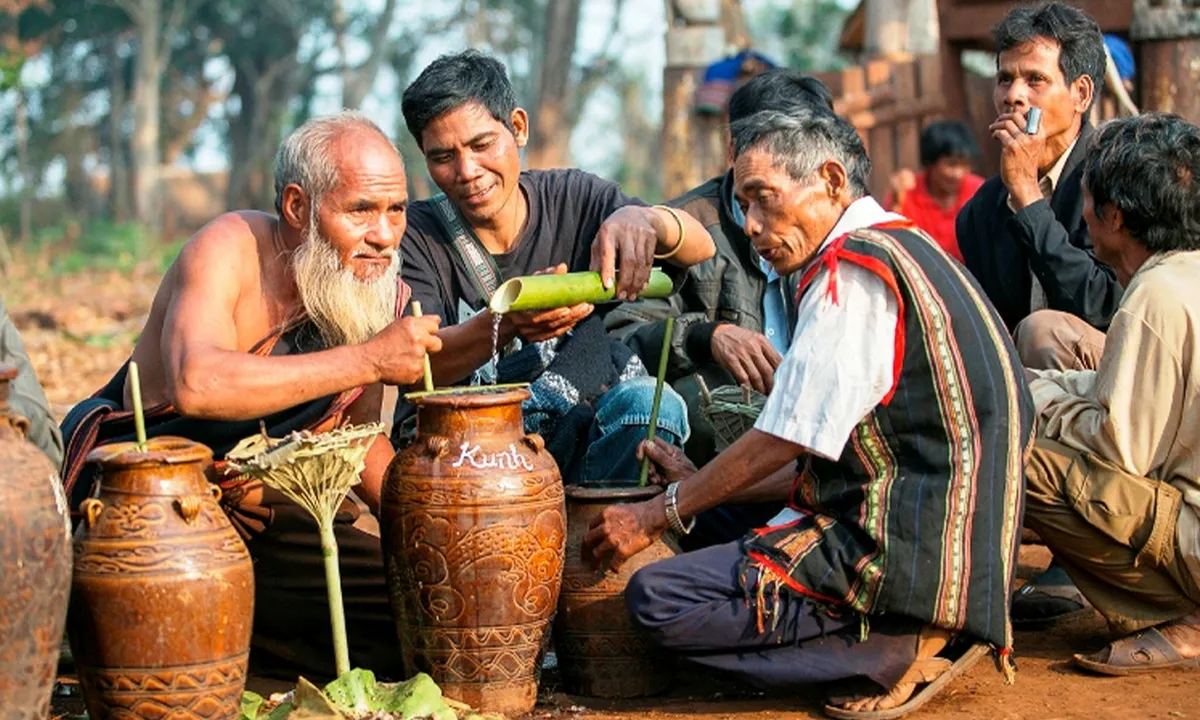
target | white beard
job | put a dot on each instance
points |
(346, 310)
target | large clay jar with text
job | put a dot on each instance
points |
(473, 529)
(35, 567)
(601, 653)
(163, 594)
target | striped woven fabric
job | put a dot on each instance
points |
(920, 516)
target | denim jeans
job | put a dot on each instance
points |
(622, 419)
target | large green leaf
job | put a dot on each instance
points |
(354, 690)
(417, 697)
(309, 703)
(251, 703)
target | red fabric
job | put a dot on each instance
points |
(920, 207)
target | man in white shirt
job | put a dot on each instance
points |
(1114, 478)
(895, 430)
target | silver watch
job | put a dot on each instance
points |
(672, 507)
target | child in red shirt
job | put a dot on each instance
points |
(933, 197)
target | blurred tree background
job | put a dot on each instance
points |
(127, 122)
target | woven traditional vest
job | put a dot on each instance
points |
(920, 516)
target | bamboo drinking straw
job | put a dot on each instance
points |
(139, 421)
(416, 309)
(658, 390)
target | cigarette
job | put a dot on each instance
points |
(1033, 121)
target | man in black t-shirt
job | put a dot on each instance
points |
(496, 222)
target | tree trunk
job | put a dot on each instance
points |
(118, 171)
(923, 29)
(357, 83)
(144, 146)
(733, 19)
(338, 20)
(886, 33)
(550, 139)
(26, 199)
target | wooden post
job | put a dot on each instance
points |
(694, 39)
(1169, 35)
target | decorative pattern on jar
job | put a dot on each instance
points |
(601, 653)
(35, 567)
(163, 595)
(473, 527)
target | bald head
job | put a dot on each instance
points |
(314, 156)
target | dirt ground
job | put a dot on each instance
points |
(79, 329)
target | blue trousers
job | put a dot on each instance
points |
(621, 421)
(694, 605)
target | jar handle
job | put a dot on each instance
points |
(216, 492)
(437, 445)
(536, 442)
(189, 507)
(91, 511)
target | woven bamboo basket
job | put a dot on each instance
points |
(731, 409)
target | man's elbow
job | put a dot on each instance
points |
(190, 393)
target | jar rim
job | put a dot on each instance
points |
(165, 450)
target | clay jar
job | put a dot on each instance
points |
(601, 653)
(35, 567)
(163, 594)
(473, 528)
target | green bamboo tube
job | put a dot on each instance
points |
(543, 292)
(416, 311)
(663, 356)
(333, 588)
(139, 418)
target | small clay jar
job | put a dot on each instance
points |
(163, 595)
(601, 653)
(35, 567)
(473, 530)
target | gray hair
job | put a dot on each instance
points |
(802, 140)
(306, 159)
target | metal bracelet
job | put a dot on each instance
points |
(672, 508)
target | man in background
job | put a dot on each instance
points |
(25, 394)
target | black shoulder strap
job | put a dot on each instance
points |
(480, 264)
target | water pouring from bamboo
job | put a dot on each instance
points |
(663, 356)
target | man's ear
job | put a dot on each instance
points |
(1083, 90)
(520, 124)
(837, 180)
(1115, 219)
(294, 207)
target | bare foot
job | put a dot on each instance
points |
(1184, 635)
(924, 669)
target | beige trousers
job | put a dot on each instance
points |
(1114, 534)
(1054, 340)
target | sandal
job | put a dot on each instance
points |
(933, 673)
(1142, 652)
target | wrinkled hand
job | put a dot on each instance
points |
(1020, 156)
(623, 531)
(748, 356)
(627, 237)
(398, 351)
(668, 464)
(902, 183)
(548, 324)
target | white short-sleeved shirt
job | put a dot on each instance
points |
(839, 366)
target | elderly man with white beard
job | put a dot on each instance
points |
(289, 320)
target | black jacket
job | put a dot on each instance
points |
(728, 288)
(1049, 238)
